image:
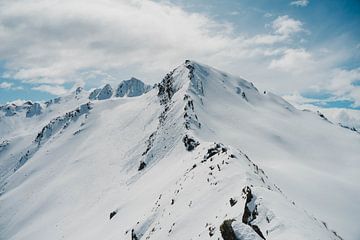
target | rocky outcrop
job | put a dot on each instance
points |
(61, 122)
(227, 232)
(190, 143)
(55, 125)
(103, 93)
(4, 144)
(9, 109)
(131, 88)
(250, 210)
(34, 109)
(93, 95)
(112, 214)
(52, 101)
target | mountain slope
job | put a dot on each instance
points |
(179, 162)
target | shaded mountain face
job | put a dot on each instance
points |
(203, 155)
(128, 88)
(131, 88)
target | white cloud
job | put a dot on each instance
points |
(5, 85)
(268, 39)
(52, 42)
(300, 3)
(341, 83)
(59, 42)
(293, 60)
(338, 84)
(53, 89)
(283, 28)
(342, 78)
(284, 25)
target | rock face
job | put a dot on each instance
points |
(102, 93)
(35, 109)
(131, 88)
(227, 232)
(128, 88)
(94, 94)
(106, 92)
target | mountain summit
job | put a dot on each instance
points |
(201, 155)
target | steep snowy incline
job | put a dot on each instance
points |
(61, 188)
(180, 162)
(315, 162)
(20, 122)
(20, 128)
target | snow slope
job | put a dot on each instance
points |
(203, 155)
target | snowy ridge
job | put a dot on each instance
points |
(173, 86)
(174, 163)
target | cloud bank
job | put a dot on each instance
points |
(52, 43)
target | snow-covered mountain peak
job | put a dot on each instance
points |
(201, 156)
(201, 80)
(131, 88)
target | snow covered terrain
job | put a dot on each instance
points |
(202, 155)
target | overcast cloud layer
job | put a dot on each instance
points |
(53, 44)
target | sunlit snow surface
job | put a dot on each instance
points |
(303, 171)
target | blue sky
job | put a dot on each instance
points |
(308, 50)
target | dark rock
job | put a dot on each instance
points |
(247, 213)
(227, 232)
(322, 116)
(112, 214)
(190, 144)
(133, 235)
(211, 231)
(149, 142)
(78, 90)
(166, 90)
(257, 230)
(232, 201)
(142, 166)
(218, 148)
(250, 214)
(244, 96)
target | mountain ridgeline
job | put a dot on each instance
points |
(202, 154)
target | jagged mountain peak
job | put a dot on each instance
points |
(127, 88)
(201, 75)
(204, 82)
(196, 77)
(132, 88)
